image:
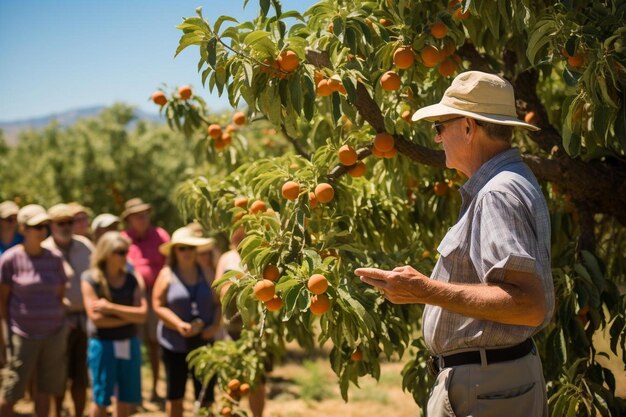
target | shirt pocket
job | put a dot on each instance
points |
(448, 259)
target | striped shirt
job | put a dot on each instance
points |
(504, 225)
(35, 305)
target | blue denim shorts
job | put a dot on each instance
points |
(111, 375)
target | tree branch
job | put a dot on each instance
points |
(297, 145)
(602, 188)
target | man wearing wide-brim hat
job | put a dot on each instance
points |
(147, 261)
(491, 289)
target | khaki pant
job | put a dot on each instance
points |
(510, 389)
(45, 357)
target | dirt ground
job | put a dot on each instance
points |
(307, 387)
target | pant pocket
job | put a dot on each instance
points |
(439, 401)
(513, 402)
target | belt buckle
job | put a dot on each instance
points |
(432, 364)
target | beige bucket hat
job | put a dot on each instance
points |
(135, 205)
(184, 236)
(479, 95)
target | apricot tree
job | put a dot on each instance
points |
(346, 75)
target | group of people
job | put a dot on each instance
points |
(491, 289)
(77, 300)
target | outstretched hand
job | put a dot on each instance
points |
(403, 285)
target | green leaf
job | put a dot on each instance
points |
(212, 52)
(253, 37)
(540, 38)
(222, 19)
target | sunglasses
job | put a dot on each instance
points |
(65, 223)
(120, 252)
(438, 125)
(185, 248)
(40, 227)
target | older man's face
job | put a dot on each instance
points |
(62, 230)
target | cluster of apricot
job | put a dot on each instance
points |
(159, 98)
(222, 137)
(281, 67)
(265, 291)
(235, 390)
(326, 86)
(349, 158)
(324, 193)
(384, 146)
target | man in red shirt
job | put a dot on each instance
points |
(147, 261)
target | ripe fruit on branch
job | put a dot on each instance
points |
(239, 118)
(258, 206)
(439, 30)
(430, 56)
(274, 304)
(288, 61)
(244, 389)
(347, 155)
(357, 356)
(158, 97)
(531, 118)
(403, 57)
(390, 81)
(320, 304)
(215, 131)
(323, 88)
(576, 60)
(271, 272)
(234, 384)
(226, 412)
(406, 116)
(390, 154)
(447, 67)
(184, 92)
(317, 284)
(358, 170)
(291, 190)
(384, 142)
(324, 192)
(441, 188)
(264, 290)
(241, 202)
(313, 200)
(385, 22)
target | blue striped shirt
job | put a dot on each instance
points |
(504, 225)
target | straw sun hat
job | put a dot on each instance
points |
(184, 236)
(478, 95)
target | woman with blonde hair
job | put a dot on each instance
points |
(115, 303)
(189, 316)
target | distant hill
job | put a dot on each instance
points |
(12, 129)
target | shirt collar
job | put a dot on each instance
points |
(486, 172)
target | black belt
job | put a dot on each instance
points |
(437, 363)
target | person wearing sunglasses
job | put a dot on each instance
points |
(76, 251)
(32, 287)
(189, 316)
(491, 289)
(9, 236)
(115, 303)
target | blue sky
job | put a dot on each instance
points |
(57, 55)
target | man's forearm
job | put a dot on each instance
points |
(502, 303)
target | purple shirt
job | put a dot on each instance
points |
(144, 253)
(35, 307)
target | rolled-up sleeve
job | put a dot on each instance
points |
(503, 238)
